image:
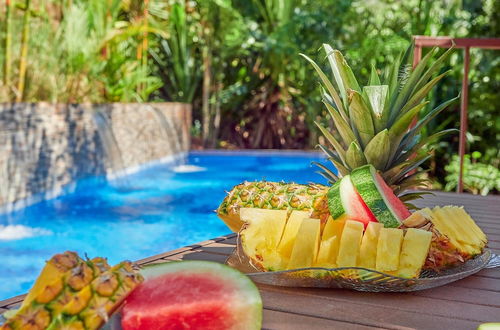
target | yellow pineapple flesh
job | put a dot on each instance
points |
(330, 242)
(414, 251)
(67, 300)
(350, 244)
(305, 247)
(368, 249)
(261, 236)
(290, 233)
(455, 236)
(388, 249)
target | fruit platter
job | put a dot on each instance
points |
(360, 231)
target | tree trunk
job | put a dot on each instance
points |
(8, 43)
(23, 59)
(217, 117)
(205, 97)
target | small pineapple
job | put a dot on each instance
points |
(79, 295)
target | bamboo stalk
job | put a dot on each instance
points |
(8, 42)
(24, 51)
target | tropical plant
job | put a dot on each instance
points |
(478, 178)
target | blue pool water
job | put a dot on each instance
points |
(146, 213)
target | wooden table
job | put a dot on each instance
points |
(460, 305)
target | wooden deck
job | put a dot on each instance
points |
(460, 305)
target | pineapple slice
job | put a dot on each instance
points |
(388, 249)
(368, 249)
(68, 301)
(416, 244)
(290, 233)
(305, 248)
(350, 244)
(330, 242)
(261, 236)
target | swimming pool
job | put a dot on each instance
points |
(157, 209)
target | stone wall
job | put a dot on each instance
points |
(44, 147)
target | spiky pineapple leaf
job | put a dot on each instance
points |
(374, 78)
(348, 79)
(329, 87)
(360, 117)
(327, 171)
(413, 196)
(408, 169)
(376, 97)
(336, 72)
(433, 68)
(354, 156)
(429, 116)
(423, 92)
(342, 126)
(378, 149)
(407, 89)
(333, 141)
(341, 168)
(415, 146)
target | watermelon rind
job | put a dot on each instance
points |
(250, 293)
(334, 201)
(364, 180)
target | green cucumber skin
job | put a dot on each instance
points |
(364, 181)
(334, 202)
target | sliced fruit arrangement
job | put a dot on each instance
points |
(455, 236)
(428, 239)
(193, 295)
(339, 243)
(72, 293)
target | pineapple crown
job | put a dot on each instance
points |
(378, 124)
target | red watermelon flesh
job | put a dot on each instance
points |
(193, 295)
(397, 206)
(354, 206)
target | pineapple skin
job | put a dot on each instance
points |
(275, 196)
(82, 298)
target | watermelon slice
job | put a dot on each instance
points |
(379, 197)
(193, 295)
(344, 202)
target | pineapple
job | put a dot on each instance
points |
(350, 244)
(368, 248)
(275, 196)
(374, 122)
(330, 242)
(414, 251)
(455, 236)
(388, 250)
(80, 294)
(305, 248)
(262, 235)
(373, 125)
(290, 233)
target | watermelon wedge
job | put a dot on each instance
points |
(379, 197)
(344, 203)
(192, 295)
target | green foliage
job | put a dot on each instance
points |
(479, 178)
(85, 54)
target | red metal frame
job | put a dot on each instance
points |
(465, 43)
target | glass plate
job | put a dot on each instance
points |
(360, 279)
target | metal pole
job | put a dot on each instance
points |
(463, 118)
